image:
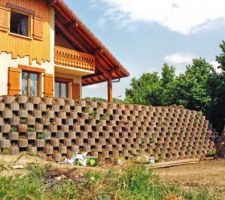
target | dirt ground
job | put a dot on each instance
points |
(206, 173)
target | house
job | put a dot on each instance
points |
(45, 50)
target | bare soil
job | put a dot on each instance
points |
(210, 174)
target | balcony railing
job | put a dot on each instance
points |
(72, 58)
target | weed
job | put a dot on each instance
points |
(23, 120)
(153, 139)
(13, 129)
(212, 153)
(41, 135)
(131, 182)
(31, 129)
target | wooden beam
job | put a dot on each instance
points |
(110, 97)
(69, 36)
(92, 75)
(175, 163)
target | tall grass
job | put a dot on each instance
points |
(132, 183)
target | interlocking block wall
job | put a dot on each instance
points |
(54, 128)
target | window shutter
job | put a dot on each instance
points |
(4, 19)
(14, 81)
(48, 85)
(38, 28)
(76, 91)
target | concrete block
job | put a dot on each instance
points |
(57, 157)
(35, 100)
(29, 106)
(22, 99)
(40, 143)
(72, 135)
(63, 149)
(39, 127)
(55, 142)
(30, 120)
(7, 114)
(53, 128)
(67, 142)
(22, 128)
(48, 150)
(42, 106)
(14, 150)
(32, 150)
(9, 99)
(60, 135)
(14, 106)
(37, 114)
(5, 128)
(2, 106)
(23, 143)
(14, 136)
(48, 100)
(5, 144)
(23, 113)
(31, 135)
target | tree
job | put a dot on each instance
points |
(150, 88)
(144, 87)
(221, 58)
(168, 75)
(216, 88)
(190, 88)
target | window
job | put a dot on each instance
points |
(29, 83)
(61, 88)
(19, 24)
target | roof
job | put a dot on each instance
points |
(79, 35)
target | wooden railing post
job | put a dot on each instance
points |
(110, 96)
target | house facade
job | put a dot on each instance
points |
(45, 50)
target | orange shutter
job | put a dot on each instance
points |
(38, 28)
(4, 19)
(76, 91)
(14, 81)
(48, 85)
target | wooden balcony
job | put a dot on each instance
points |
(72, 58)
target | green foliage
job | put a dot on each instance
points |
(134, 182)
(190, 88)
(64, 191)
(31, 129)
(221, 58)
(27, 187)
(41, 135)
(146, 90)
(212, 153)
(151, 88)
(99, 99)
(13, 129)
(23, 120)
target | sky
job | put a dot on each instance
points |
(145, 34)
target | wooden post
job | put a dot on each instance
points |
(110, 98)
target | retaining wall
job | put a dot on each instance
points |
(56, 127)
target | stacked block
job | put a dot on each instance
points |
(55, 128)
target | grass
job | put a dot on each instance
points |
(134, 182)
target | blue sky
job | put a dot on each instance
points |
(144, 34)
